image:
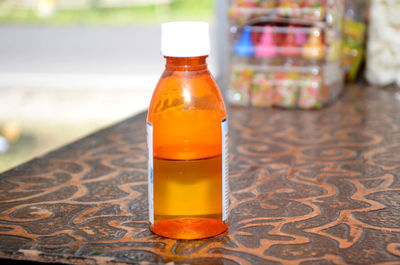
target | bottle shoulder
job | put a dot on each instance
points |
(186, 91)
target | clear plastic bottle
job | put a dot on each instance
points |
(187, 140)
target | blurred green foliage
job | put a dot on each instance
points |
(149, 14)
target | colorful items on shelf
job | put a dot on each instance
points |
(314, 9)
(290, 8)
(354, 36)
(256, 3)
(290, 48)
(311, 92)
(289, 57)
(295, 42)
(286, 93)
(301, 37)
(353, 48)
(244, 10)
(263, 89)
(241, 80)
(288, 87)
(314, 49)
(267, 47)
(280, 89)
(244, 47)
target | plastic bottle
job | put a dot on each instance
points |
(314, 49)
(267, 47)
(301, 37)
(244, 47)
(289, 50)
(187, 140)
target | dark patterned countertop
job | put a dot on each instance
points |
(307, 187)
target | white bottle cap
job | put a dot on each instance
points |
(185, 39)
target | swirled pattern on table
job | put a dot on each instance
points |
(307, 187)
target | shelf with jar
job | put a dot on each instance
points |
(285, 62)
(242, 11)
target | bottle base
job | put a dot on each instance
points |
(188, 228)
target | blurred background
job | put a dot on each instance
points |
(71, 67)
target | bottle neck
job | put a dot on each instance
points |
(186, 63)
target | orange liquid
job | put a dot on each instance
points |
(188, 197)
(186, 113)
